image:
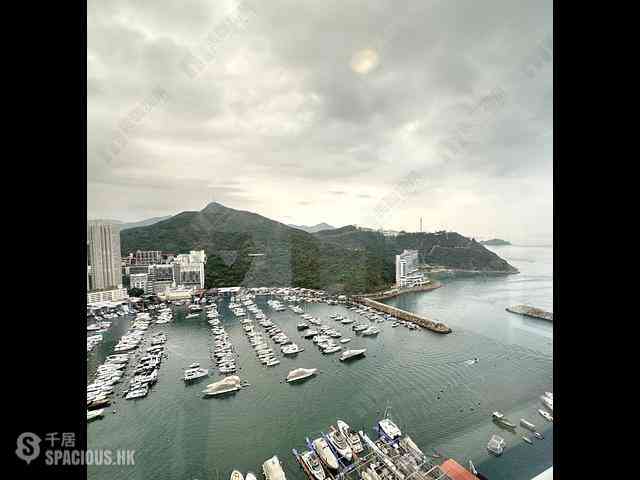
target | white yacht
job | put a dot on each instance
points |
(389, 428)
(301, 374)
(323, 450)
(236, 475)
(137, 393)
(332, 349)
(340, 443)
(496, 445)
(350, 354)
(93, 414)
(195, 373)
(371, 331)
(345, 340)
(250, 476)
(228, 384)
(545, 414)
(352, 437)
(527, 425)
(272, 469)
(548, 402)
(312, 462)
(291, 349)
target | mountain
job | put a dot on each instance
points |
(229, 237)
(313, 229)
(447, 249)
(141, 223)
(495, 242)
(346, 259)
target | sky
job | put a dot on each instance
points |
(374, 113)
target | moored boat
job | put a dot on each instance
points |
(389, 428)
(93, 414)
(312, 462)
(272, 469)
(352, 354)
(496, 445)
(340, 443)
(545, 414)
(323, 450)
(352, 437)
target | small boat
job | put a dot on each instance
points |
(323, 450)
(194, 365)
(527, 425)
(236, 475)
(194, 374)
(538, 435)
(312, 462)
(545, 414)
(496, 445)
(351, 354)
(93, 414)
(548, 402)
(389, 428)
(272, 469)
(527, 439)
(472, 468)
(250, 476)
(345, 340)
(300, 374)
(500, 419)
(332, 349)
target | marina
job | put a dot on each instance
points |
(447, 408)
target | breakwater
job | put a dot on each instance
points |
(421, 321)
(532, 312)
(396, 291)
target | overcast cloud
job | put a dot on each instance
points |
(312, 111)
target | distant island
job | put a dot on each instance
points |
(495, 242)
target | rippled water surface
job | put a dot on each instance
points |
(435, 395)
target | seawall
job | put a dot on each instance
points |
(532, 312)
(396, 293)
(424, 322)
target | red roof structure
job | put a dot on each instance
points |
(456, 471)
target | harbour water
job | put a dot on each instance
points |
(434, 394)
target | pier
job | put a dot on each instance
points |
(387, 459)
(532, 312)
(423, 322)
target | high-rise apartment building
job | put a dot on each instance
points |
(104, 255)
(407, 274)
